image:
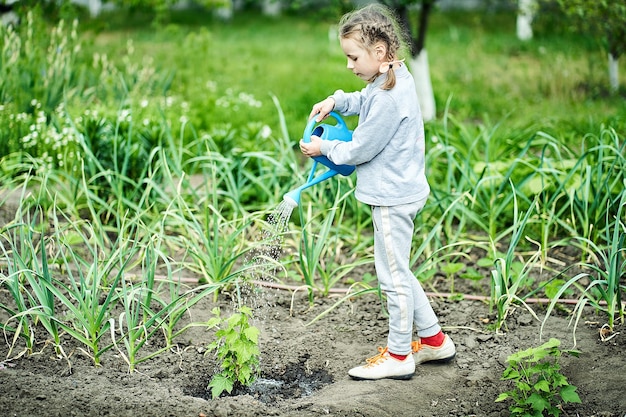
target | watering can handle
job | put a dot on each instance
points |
(306, 136)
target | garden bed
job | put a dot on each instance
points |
(304, 367)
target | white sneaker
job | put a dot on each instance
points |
(426, 353)
(384, 365)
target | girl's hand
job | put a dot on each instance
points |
(322, 109)
(312, 148)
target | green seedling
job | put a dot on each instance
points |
(237, 350)
(540, 388)
(507, 279)
(451, 269)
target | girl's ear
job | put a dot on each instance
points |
(381, 51)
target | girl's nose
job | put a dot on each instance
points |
(350, 65)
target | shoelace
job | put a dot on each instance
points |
(416, 346)
(375, 360)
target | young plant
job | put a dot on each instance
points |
(28, 276)
(507, 280)
(135, 325)
(581, 195)
(237, 350)
(605, 288)
(170, 311)
(540, 388)
(42, 300)
(17, 306)
(89, 290)
(430, 252)
(312, 248)
(139, 321)
(212, 244)
(600, 174)
(29, 280)
(451, 269)
(473, 165)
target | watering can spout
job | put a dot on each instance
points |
(292, 198)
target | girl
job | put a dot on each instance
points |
(387, 148)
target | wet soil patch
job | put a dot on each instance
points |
(296, 380)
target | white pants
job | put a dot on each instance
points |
(407, 303)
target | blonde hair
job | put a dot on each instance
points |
(372, 24)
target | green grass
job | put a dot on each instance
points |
(478, 67)
(556, 82)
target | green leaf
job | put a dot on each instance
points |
(245, 374)
(252, 333)
(542, 385)
(247, 311)
(502, 397)
(510, 373)
(569, 395)
(559, 380)
(538, 403)
(242, 350)
(452, 268)
(219, 383)
(231, 338)
(485, 262)
(213, 322)
(472, 274)
(553, 287)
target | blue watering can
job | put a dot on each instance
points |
(327, 132)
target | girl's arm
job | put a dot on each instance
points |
(349, 104)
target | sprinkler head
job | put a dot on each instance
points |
(292, 198)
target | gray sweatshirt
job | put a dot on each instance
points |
(387, 146)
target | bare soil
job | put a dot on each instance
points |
(304, 368)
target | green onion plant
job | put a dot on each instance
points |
(605, 289)
(507, 282)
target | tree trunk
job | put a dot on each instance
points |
(272, 8)
(95, 6)
(423, 85)
(419, 57)
(525, 14)
(226, 11)
(613, 73)
(422, 29)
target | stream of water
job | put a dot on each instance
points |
(264, 262)
(278, 225)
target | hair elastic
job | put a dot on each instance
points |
(386, 66)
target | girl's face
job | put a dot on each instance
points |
(362, 62)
